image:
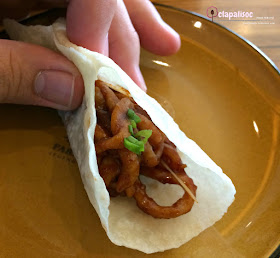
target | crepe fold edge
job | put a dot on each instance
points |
(123, 222)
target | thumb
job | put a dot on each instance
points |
(34, 75)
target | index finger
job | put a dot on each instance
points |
(88, 23)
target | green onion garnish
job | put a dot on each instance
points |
(130, 129)
(137, 119)
(141, 145)
(130, 113)
(133, 124)
(134, 145)
(131, 146)
(136, 142)
(144, 135)
(132, 116)
(132, 139)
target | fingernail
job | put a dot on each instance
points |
(140, 80)
(55, 86)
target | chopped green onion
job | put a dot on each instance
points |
(130, 129)
(132, 139)
(132, 116)
(137, 144)
(133, 124)
(141, 145)
(131, 146)
(137, 119)
(134, 145)
(130, 113)
(144, 135)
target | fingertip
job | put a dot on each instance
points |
(134, 72)
(138, 78)
(155, 35)
(169, 43)
(173, 39)
(141, 83)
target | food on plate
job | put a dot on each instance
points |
(119, 119)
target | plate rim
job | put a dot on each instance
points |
(248, 42)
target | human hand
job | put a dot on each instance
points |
(35, 75)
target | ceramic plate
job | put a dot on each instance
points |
(224, 94)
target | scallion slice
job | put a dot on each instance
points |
(130, 129)
(131, 146)
(132, 116)
(137, 119)
(133, 124)
(130, 113)
(132, 139)
(143, 135)
(136, 142)
(134, 145)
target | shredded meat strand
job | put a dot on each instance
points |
(99, 134)
(172, 158)
(119, 127)
(129, 170)
(148, 157)
(149, 206)
(109, 169)
(147, 124)
(109, 96)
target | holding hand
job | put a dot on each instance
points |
(38, 76)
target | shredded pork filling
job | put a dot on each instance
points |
(120, 167)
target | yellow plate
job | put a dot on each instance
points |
(222, 92)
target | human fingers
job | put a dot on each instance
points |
(88, 23)
(124, 46)
(35, 75)
(155, 35)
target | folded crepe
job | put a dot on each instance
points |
(124, 223)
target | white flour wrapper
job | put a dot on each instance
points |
(124, 223)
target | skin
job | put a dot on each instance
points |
(112, 27)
